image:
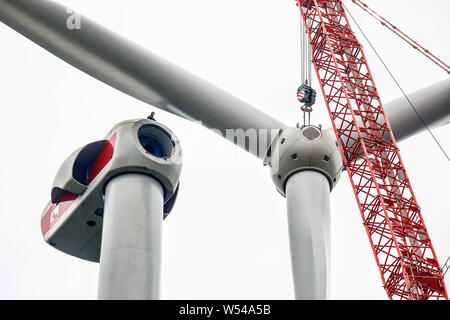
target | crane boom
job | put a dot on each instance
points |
(392, 217)
(384, 22)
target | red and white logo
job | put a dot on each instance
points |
(54, 216)
(56, 211)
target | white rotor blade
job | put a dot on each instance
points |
(143, 75)
(135, 71)
(308, 206)
(431, 103)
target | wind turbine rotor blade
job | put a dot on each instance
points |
(135, 71)
(308, 207)
(433, 109)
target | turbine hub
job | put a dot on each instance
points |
(301, 149)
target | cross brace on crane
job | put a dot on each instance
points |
(392, 217)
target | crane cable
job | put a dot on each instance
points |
(398, 85)
(403, 36)
(306, 95)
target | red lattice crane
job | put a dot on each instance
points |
(392, 217)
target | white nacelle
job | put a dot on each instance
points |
(72, 221)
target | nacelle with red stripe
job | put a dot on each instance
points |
(72, 221)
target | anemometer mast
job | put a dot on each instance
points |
(402, 247)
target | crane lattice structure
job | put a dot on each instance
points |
(392, 217)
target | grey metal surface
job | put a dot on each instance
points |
(307, 148)
(130, 155)
(308, 208)
(130, 261)
(132, 69)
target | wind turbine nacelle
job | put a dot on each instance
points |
(305, 148)
(72, 221)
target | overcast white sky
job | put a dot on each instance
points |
(227, 236)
